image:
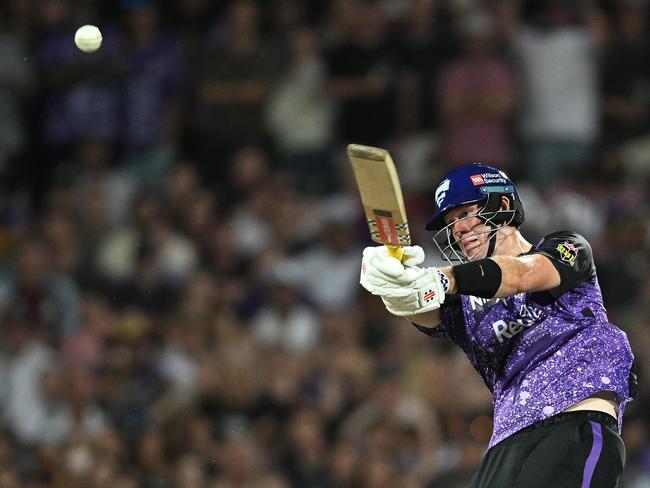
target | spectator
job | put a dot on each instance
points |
(237, 71)
(153, 242)
(38, 294)
(249, 171)
(556, 57)
(16, 83)
(285, 322)
(361, 75)
(153, 93)
(27, 358)
(301, 116)
(626, 78)
(72, 410)
(326, 270)
(81, 90)
(425, 46)
(477, 96)
(192, 21)
(305, 460)
(626, 264)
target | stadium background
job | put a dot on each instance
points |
(180, 237)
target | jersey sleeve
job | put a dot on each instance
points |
(571, 255)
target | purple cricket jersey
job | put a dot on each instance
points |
(540, 353)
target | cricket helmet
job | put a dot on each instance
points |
(473, 183)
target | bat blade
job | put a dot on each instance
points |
(381, 196)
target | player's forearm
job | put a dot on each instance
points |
(511, 275)
(512, 278)
(430, 320)
(508, 286)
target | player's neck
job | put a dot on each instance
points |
(512, 243)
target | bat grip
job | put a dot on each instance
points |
(396, 252)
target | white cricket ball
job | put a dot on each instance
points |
(88, 38)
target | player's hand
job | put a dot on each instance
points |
(403, 307)
(405, 290)
(379, 269)
(422, 290)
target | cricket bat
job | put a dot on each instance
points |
(381, 196)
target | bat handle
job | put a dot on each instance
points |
(396, 252)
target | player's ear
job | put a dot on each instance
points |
(505, 203)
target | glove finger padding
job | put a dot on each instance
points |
(378, 270)
(387, 266)
(392, 267)
(371, 278)
(413, 256)
(378, 286)
(368, 253)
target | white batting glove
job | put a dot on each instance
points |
(423, 290)
(378, 268)
(405, 290)
(401, 306)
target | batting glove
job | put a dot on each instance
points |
(402, 306)
(378, 268)
(405, 290)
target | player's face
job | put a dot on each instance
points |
(469, 231)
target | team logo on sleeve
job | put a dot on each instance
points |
(568, 252)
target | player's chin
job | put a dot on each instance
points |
(476, 253)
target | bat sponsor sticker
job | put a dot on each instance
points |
(568, 252)
(387, 229)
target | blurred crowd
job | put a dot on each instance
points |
(180, 235)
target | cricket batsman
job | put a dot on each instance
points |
(531, 320)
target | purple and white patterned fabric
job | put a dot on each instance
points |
(540, 353)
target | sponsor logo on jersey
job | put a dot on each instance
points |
(478, 304)
(568, 252)
(507, 329)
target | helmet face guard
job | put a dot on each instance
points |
(451, 249)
